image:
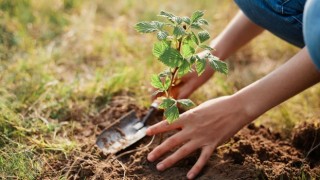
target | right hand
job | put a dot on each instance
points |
(204, 127)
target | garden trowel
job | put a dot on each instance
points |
(124, 132)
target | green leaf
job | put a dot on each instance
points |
(203, 36)
(186, 20)
(196, 26)
(178, 31)
(194, 38)
(187, 103)
(148, 27)
(168, 15)
(159, 48)
(171, 113)
(171, 57)
(156, 82)
(166, 103)
(166, 54)
(162, 35)
(217, 64)
(177, 19)
(193, 59)
(206, 47)
(200, 66)
(202, 22)
(196, 16)
(184, 68)
(167, 84)
(187, 49)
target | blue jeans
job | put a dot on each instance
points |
(295, 21)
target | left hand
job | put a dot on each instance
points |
(205, 127)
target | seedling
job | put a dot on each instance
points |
(179, 40)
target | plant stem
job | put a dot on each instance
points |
(174, 73)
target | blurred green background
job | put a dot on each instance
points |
(63, 60)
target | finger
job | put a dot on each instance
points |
(167, 145)
(178, 155)
(162, 126)
(201, 162)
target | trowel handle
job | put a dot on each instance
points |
(152, 109)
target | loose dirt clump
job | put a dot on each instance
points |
(253, 153)
(306, 137)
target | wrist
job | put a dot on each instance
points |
(244, 108)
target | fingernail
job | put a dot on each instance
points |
(160, 167)
(190, 175)
(150, 157)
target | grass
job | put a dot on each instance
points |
(59, 58)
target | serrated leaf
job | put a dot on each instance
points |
(202, 21)
(184, 68)
(206, 47)
(157, 24)
(196, 26)
(177, 19)
(166, 103)
(166, 54)
(171, 58)
(194, 38)
(167, 84)
(171, 113)
(159, 48)
(178, 31)
(203, 36)
(168, 15)
(187, 49)
(156, 82)
(196, 16)
(187, 103)
(193, 59)
(200, 66)
(217, 64)
(148, 27)
(186, 20)
(161, 35)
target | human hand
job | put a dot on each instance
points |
(206, 126)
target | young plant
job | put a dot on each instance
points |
(179, 40)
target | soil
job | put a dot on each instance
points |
(253, 153)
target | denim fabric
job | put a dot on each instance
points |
(295, 21)
(281, 17)
(311, 30)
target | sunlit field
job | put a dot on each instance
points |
(62, 62)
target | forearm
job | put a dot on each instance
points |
(296, 75)
(239, 32)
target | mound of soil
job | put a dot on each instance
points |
(253, 153)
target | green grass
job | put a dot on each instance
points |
(59, 57)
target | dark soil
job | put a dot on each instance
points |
(254, 153)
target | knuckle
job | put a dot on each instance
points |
(192, 114)
(173, 141)
(185, 150)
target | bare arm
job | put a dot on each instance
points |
(213, 122)
(238, 33)
(288, 80)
